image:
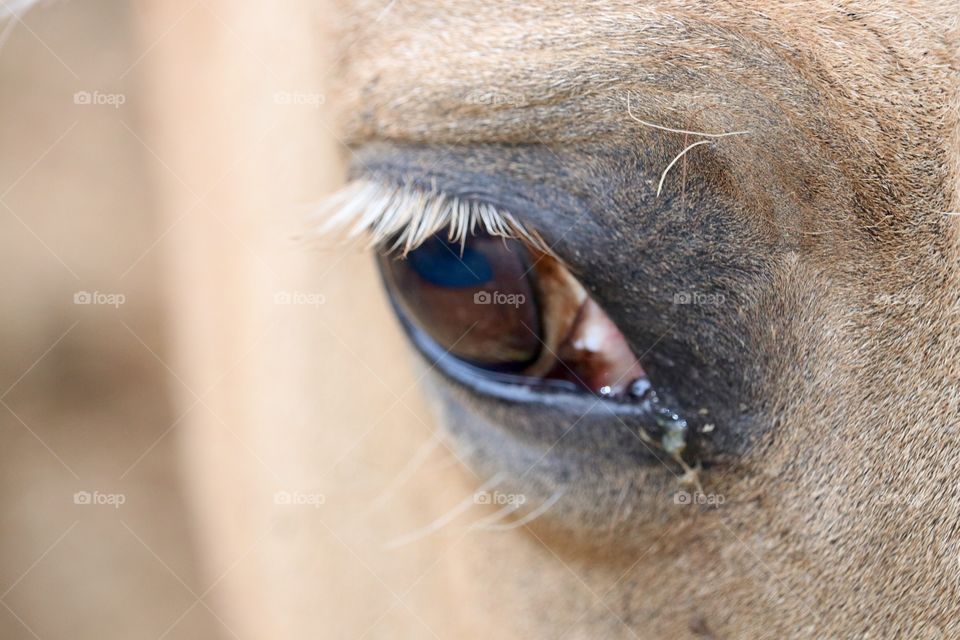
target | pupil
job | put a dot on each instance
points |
(481, 306)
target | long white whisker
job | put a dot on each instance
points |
(674, 161)
(686, 131)
(417, 460)
(497, 516)
(530, 517)
(445, 519)
(619, 513)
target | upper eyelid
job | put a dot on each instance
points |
(405, 216)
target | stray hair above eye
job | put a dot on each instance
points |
(401, 217)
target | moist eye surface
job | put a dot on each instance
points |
(476, 299)
(501, 307)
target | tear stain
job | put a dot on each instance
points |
(672, 429)
(583, 346)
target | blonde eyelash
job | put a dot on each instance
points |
(402, 217)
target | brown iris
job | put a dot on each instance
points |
(476, 300)
(495, 304)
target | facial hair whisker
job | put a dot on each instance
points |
(409, 470)
(445, 519)
(529, 517)
(497, 516)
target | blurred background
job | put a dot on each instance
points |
(184, 382)
(95, 540)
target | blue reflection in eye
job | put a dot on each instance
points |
(438, 261)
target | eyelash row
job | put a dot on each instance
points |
(401, 217)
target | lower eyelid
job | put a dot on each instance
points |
(529, 319)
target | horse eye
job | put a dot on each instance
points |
(478, 300)
(500, 307)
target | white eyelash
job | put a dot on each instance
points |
(405, 216)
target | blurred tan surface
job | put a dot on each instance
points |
(86, 396)
(306, 383)
(164, 152)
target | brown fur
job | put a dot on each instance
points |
(844, 517)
